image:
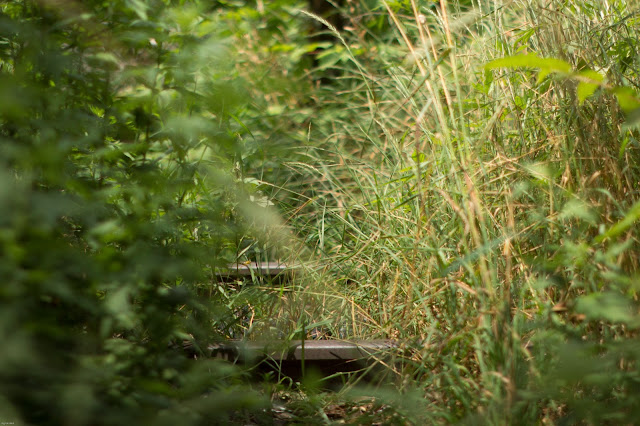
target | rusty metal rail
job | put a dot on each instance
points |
(263, 269)
(297, 350)
(331, 359)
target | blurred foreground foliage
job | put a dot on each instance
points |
(119, 128)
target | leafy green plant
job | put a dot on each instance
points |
(119, 130)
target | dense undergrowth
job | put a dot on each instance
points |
(461, 176)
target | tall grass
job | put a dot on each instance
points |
(482, 216)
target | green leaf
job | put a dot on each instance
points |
(540, 171)
(618, 228)
(595, 76)
(104, 60)
(577, 209)
(585, 90)
(530, 60)
(632, 120)
(590, 81)
(609, 306)
(139, 8)
(118, 303)
(627, 98)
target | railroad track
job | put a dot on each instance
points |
(292, 358)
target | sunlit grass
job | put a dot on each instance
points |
(455, 208)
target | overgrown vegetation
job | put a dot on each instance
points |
(460, 176)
